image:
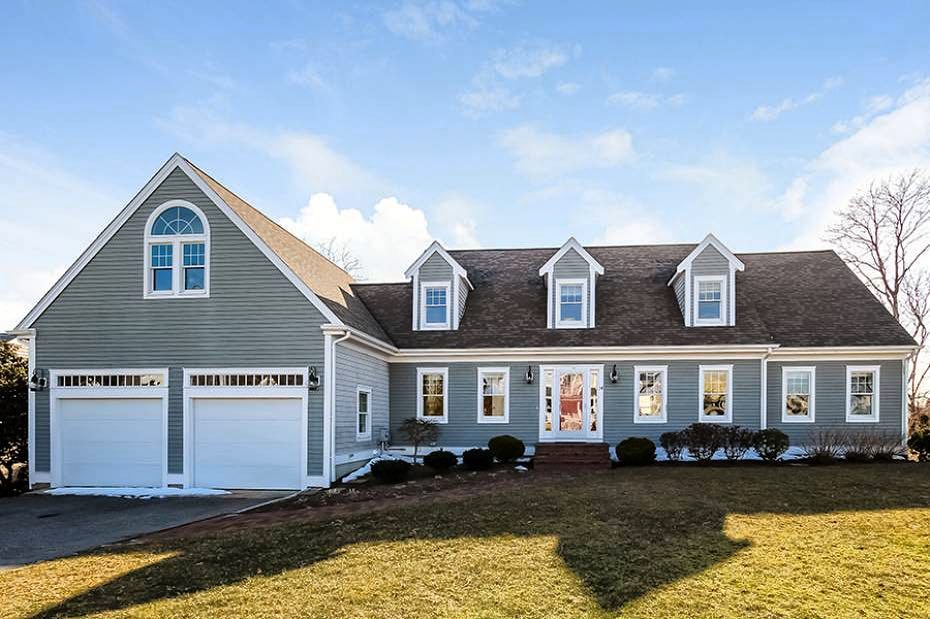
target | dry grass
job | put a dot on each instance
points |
(651, 542)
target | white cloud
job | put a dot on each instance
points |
(538, 152)
(638, 100)
(890, 143)
(723, 180)
(527, 61)
(308, 76)
(429, 22)
(386, 243)
(873, 106)
(568, 88)
(768, 113)
(663, 74)
(627, 221)
(486, 98)
(456, 214)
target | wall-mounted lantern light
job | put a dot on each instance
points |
(313, 379)
(614, 374)
(39, 380)
(529, 375)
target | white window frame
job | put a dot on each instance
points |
(637, 370)
(505, 372)
(176, 242)
(710, 322)
(812, 397)
(426, 326)
(728, 418)
(876, 384)
(571, 324)
(366, 435)
(421, 372)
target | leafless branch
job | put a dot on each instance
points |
(340, 255)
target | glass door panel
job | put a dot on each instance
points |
(571, 403)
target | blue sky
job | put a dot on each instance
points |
(478, 122)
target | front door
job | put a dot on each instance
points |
(571, 403)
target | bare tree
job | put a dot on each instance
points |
(883, 233)
(340, 255)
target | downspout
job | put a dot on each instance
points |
(331, 397)
(764, 396)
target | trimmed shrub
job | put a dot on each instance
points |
(860, 446)
(506, 448)
(919, 442)
(737, 441)
(889, 447)
(824, 446)
(440, 460)
(477, 459)
(770, 444)
(703, 440)
(390, 471)
(673, 443)
(636, 450)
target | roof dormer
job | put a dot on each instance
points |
(571, 277)
(440, 290)
(705, 285)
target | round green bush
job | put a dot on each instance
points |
(440, 460)
(636, 450)
(390, 471)
(477, 459)
(770, 444)
(506, 448)
(919, 442)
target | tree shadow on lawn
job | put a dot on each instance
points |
(623, 533)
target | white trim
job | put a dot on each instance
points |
(31, 407)
(454, 315)
(550, 314)
(177, 242)
(505, 371)
(421, 372)
(366, 435)
(637, 370)
(728, 418)
(905, 367)
(593, 280)
(843, 353)
(688, 311)
(876, 390)
(571, 243)
(812, 396)
(71, 393)
(176, 161)
(436, 247)
(731, 296)
(571, 324)
(415, 323)
(330, 341)
(724, 301)
(709, 240)
(436, 326)
(189, 394)
(586, 436)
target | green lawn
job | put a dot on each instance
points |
(749, 541)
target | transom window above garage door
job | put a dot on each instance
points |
(115, 379)
(245, 379)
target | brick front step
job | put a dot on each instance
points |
(572, 455)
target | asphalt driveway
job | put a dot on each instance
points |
(36, 527)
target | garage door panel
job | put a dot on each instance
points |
(247, 442)
(111, 442)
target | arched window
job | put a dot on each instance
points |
(177, 251)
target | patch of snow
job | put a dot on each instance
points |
(520, 468)
(366, 470)
(791, 454)
(136, 493)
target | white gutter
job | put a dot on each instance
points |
(764, 395)
(329, 415)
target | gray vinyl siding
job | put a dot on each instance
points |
(463, 429)
(253, 317)
(830, 399)
(680, 293)
(354, 369)
(463, 296)
(570, 266)
(711, 262)
(435, 269)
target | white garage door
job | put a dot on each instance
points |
(111, 441)
(247, 443)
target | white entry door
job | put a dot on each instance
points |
(247, 442)
(571, 403)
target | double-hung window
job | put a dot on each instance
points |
(177, 252)
(432, 394)
(363, 413)
(709, 300)
(435, 305)
(494, 395)
(572, 307)
(797, 394)
(862, 393)
(651, 386)
(715, 395)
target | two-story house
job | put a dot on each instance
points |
(196, 342)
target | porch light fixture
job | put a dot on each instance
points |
(39, 380)
(529, 375)
(614, 374)
(313, 379)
